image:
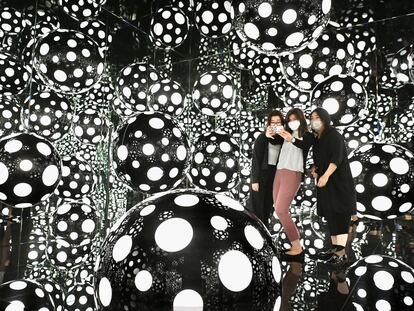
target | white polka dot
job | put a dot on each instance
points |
(18, 285)
(373, 259)
(44, 149)
(289, 16)
(188, 299)
(254, 237)
(186, 200)
(50, 175)
(380, 179)
(155, 173)
(148, 149)
(22, 190)
(122, 248)
(381, 203)
(143, 280)
(229, 202)
(399, 166)
(13, 146)
(383, 280)
(235, 270)
(156, 123)
(4, 173)
(174, 234)
(105, 292)
(407, 277)
(383, 305)
(219, 223)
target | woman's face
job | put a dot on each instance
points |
(315, 116)
(275, 120)
(292, 117)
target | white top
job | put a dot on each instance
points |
(291, 157)
(273, 154)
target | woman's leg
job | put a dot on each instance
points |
(289, 185)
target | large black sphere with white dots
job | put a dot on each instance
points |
(167, 96)
(90, 126)
(30, 170)
(23, 295)
(151, 152)
(13, 75)
(342, 96)
(9, 115)
(381, 283)
(273, 26)
(68, 61)
(169, 27)
(215, 164)
(214, 18)
(187, 248)
(384, 180)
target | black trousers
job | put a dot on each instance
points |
(261, 202)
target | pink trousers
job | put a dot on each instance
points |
(285, 186)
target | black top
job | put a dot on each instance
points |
(339, 193)
(305, 143)
(260, 154)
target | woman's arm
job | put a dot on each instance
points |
(305, 143)
(325, 177)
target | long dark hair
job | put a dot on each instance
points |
(275, 113)
(303, 128)
(324, 116)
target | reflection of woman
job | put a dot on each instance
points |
(336, 198)
(289, 174)
(265, 154)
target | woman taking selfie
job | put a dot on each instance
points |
(265, 155)
(289, 174)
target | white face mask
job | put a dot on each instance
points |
(316, 124)
(294, 125)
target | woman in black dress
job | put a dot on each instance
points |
(336, 198)
(265, 155)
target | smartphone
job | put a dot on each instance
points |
(277, 128)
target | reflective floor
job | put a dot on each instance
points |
(378, 276)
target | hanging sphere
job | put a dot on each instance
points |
(384, 180)
(248, 138)
(13, 75)
(78, 178)
(382, 282)
(151, 152)
(24, 295)
(242, 54)
(80, 297)
(169, 27)
(68, 61)
(266, 69)
(213, 92)
(30, 170)
(133, 83)
(192, 245)
(401, 64)
(11, 21)
(342, 96)
(74, 222)
(167, 96)
(97, 31)
(356, 137)
(55, 291)
(215, 164)
(332, 53)
(362, 71)
(273, 26)
(214, 19)
(64, 256)
(47, 114)
(82, 9)
(90, 126)
(9, 115)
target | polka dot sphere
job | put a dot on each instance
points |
(213, 93)
(80, 297)
(90, 126)
(401, 64)
(242, 54)
(384, 180)
(47, 114)
(78, 178)
(13, 76)
(24, 295)
(214, 19)
(381, 282)
(30, 169)
(55, 291)
(9, 115)
(342, 96)
(64, 256)
(356, 137)
(11, 21)
(82, 9)
(169, 27)
(362, 71)
(266, 69)
(167, 96)
(74, 222)
(215, 164)
(331, 54)
(68, 61)
(187, 246)
(248, 138)
(96, 30)
(133, 83)
(151, 153)
(274, 26)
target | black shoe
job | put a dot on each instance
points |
(293, 258)
(337, 261)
